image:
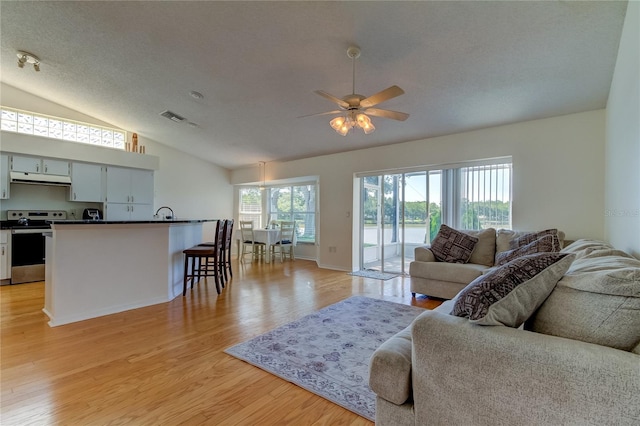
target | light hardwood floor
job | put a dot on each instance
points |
(164, 364)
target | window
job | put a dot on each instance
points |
(14, 120)
(251, 206)
(485, 193)
(296, 203)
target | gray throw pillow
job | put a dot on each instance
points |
(452, 246)
(510, 294)
(545, 244)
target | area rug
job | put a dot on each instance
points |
(368, 273)
(328, 352)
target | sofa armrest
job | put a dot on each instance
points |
(472, 374)
(424, 254)
(390, 368)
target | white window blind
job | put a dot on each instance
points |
(484, 199)
(251, 206)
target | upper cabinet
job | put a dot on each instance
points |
(39, 165)
(86, 182)
(129, 194)
(142, 186)
(4, 176)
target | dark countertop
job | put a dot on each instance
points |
(114, 222)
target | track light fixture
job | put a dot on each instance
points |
(26, 57)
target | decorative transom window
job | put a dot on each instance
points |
(18, 121)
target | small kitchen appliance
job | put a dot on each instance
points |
(91, 214)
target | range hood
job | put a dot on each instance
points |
(40, 179)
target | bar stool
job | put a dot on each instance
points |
(219, 245)
(226, 249)
(201, 258)
(205, 260)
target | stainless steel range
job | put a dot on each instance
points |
(27, 242)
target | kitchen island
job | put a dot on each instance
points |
(96, 268)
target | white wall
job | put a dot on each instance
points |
(193, 187)
(622, 177)
(558, 176)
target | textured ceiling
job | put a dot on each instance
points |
(463, 66)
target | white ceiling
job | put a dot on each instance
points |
(463, 66)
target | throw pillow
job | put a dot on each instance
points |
(541, 245)
(525, 239)
(510, 294)
(452, 246)
(485, 250)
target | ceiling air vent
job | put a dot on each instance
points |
(172, 116)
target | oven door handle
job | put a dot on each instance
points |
(29, 231)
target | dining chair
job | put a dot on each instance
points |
(287, 235)
(249, 243)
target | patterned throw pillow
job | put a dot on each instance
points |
(541, 245)
(511, 293)
(525, 239)
(452, 246)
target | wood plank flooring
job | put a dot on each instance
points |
(164, 364)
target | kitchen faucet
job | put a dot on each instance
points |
(173, 216)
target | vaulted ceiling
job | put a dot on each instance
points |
(463, 66)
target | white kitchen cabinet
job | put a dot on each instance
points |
(26, 164)
(5, 267)
(129, 185)
(4, 177)
(126, 211)
(142, 186)
(86, 182)
(129, 194)
(55, 167)
(48, 166)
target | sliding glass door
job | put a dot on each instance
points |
(398, 212)
(401, 211)
(371, 224)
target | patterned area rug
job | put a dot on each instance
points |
(328, 351)
(368, 273)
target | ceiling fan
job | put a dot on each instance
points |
(355, 108)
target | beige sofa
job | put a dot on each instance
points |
(444, 280)
(575, 362)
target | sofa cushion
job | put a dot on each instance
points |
(546, 244)
(485, 250)
(509, 294)
(462, 273)
(390, 368)
(452, 246)
(597, 301)
(585, 247)
(505, 236)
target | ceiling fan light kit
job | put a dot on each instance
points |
(28, 58)
(354, 107)
(344, 124)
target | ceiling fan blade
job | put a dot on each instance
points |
(337, 111)
(385, 113)
(332, 98)
(388, 93)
